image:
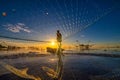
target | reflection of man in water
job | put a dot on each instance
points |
(59, 36)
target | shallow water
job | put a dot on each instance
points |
(76, 67)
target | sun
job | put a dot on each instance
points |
(52, 43)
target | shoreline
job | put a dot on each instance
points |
(15, 56)
(97, 54)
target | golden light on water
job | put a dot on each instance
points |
(53, 59)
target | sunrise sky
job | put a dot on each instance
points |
(97, 21)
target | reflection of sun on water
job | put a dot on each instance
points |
(53, 59)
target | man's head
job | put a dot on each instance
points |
(58, 31)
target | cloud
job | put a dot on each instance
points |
(82, 35)
(16, 28)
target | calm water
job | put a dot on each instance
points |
(76, 67)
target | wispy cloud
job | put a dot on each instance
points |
(82, 35)
(16, 28)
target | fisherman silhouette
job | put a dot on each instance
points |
(59, 40)
(59, 36)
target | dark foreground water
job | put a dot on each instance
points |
(76, 67)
